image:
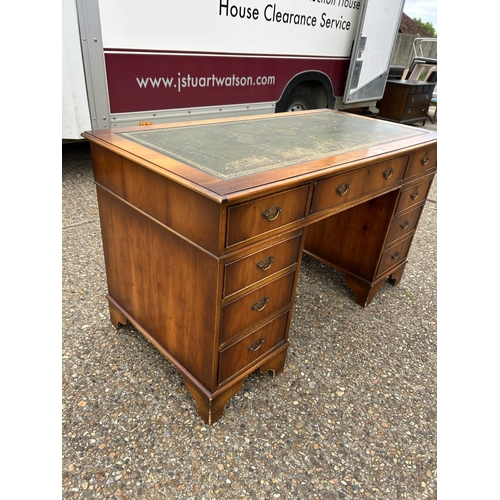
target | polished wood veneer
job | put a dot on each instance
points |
(204, 261)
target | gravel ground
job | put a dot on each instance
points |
(353, 414)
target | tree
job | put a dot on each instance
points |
(427, 27)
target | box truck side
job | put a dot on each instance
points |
(156, 61)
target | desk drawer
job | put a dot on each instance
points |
(256, 306)
(258, 266)
(254, 346)
(403, 225)
(422, 160)
(414, 194)
(336, 190)
(394, 255)
(260, 216)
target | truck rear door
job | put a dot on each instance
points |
(372, 50)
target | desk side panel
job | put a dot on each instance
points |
(166, 284)
(185, 211)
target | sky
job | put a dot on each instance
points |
(423, 9)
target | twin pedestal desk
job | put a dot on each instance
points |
(204, 224)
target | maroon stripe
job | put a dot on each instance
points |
(157, 81)
(230, 54)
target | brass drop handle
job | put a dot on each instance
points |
(405, 224)
(342, 189)
(260, 304)
(254, 346)
(265, 264)
(425, 160)
(388, 173)
(272, 213)
(415, 194)
(395, 255)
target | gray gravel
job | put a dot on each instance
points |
(353, 414)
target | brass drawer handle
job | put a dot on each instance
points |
(265, 264)
(415, 194)
(388, 173)
(260, 304)
(395, 255)
(272, 213)
(425, 160)
(404, 225)
(342, 189)
(254, 346)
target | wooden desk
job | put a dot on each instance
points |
(204, 225)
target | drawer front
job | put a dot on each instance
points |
(412, 195)
(422, 160)
(260, 216)
(419, 99)
(394, 255)
(249, 349)
(415, 112)
(403, 225)
(256, 306)
(258, 266)
(336, 190)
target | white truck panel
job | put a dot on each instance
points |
(75, 107)
(211, 26)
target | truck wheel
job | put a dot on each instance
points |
(298, 101)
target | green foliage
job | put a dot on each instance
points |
(427, 27)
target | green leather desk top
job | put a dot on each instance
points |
(233, 149)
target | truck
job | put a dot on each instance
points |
(138, 63)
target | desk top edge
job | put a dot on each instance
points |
(221, 189)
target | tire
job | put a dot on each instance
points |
(298, 101)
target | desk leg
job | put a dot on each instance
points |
(364, 291)
(116, 316)
(211, 405)
(396, 276)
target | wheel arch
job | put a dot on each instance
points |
(317, 84)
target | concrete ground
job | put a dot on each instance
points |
(353, 414)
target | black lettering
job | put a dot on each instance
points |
(273, 15)
(266, 15)
(350, 4)
(339, 24)
(223, 6)
(237, 11)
